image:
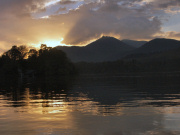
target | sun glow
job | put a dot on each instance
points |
(52, 43)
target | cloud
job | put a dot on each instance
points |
(166, 6)
(81, 21)
(107, 20)
(173, 34)
(166, 3)
(66, 2)
(18, 27)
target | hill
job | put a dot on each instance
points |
(167, 56)
(158, 45)
(165, 62)
(103, 49)
(155, 46)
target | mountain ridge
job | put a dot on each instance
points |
(159, 45)
(111, 49)
(103, 49)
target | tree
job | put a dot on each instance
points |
(24, 52)
(44, 49)
(17, 53)
(45, 62)
(53, 62)
(32, 53)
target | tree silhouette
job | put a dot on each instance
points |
(17, 53)
(44, 62)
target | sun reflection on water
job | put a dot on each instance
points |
(81, 110)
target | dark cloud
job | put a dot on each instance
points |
(66, 2)
(167, 3)
(13, 7)
(124, 22)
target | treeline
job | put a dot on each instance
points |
(50, 62)
(129, 66)
(45, 62)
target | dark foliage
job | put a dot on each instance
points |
(44, 62)
(168, 61)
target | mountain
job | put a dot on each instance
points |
(165, 62)
(158, 45)
(103, 49)
(134, 43)
(157, 50)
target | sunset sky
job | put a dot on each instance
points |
(77, 22)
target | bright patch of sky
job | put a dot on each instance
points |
(52, 2)
(55, 8)
(172, 23)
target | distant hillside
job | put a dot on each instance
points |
(158, 55)
(165, 62)
(103, 49)
(134, 43)
(158, 45)
(170, 55)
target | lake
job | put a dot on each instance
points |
(138, 104)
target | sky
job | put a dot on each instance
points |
(78, 22)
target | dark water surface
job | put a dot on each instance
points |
(93, 105)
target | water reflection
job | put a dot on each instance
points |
(132, 91)
(116, 105)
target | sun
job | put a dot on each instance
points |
(51, 43)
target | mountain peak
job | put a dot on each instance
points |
(107, 41)
(162, 40)
(103, 49)
(107, 38)
(159, 45)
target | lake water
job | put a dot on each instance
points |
(93, 105)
